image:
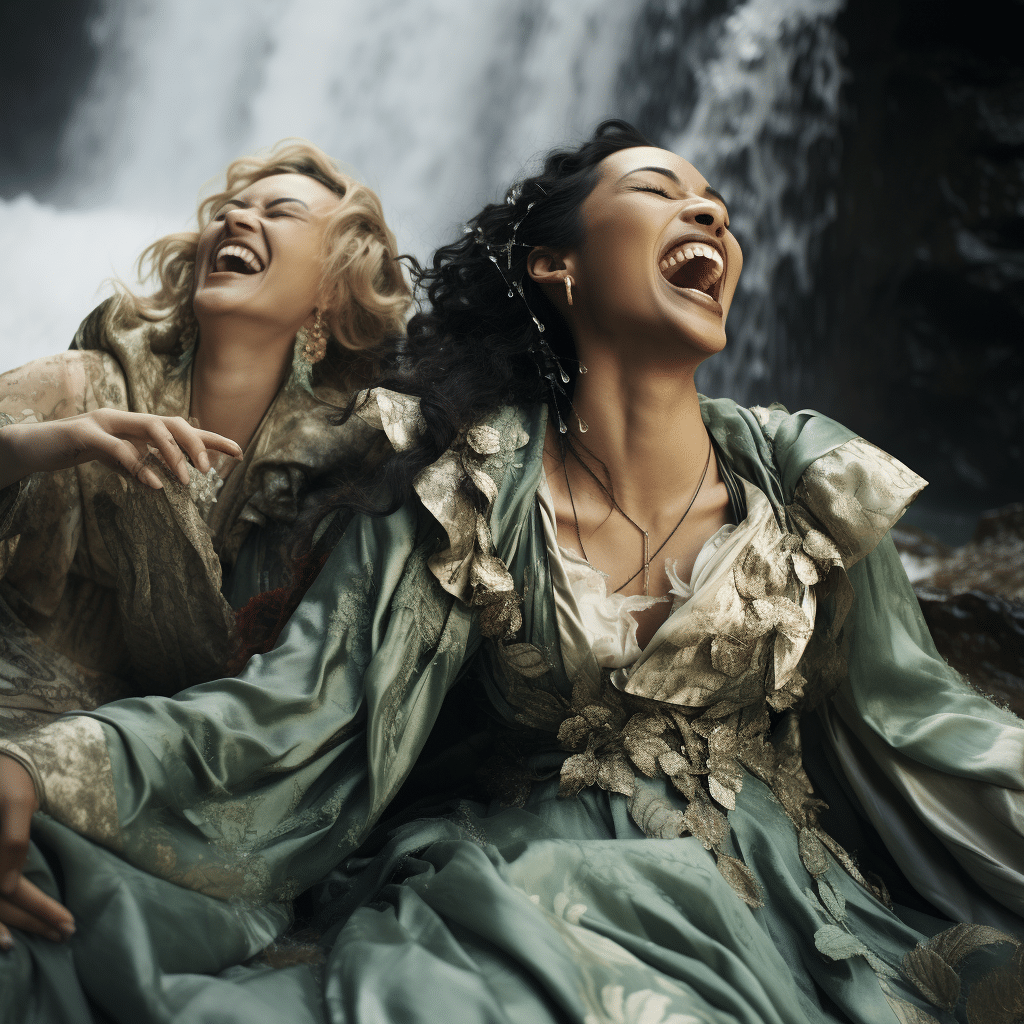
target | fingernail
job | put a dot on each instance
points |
(67, 929)
(152, 479)
(204, 462)
(6, 942)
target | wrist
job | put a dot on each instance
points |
(15, 447)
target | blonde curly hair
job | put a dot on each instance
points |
(365, 297)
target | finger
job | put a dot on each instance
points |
(6, 939)
(219, 443)
(126, 458)
(167, 444)
(28, 907)
(15, 917)
(14, 833)
(191, 441)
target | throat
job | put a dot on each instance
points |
(231, 399)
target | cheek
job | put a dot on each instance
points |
(301, 274)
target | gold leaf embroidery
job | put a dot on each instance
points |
(525, 659)
(963, 939)
(812, 853)
(998, 998)
(934, 978)
(742, 880)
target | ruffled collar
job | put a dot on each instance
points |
(294, 442)
(459, 490)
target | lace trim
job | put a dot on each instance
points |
(70, 768)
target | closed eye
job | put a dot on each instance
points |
(649, 188)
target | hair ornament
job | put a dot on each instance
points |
(548, 367)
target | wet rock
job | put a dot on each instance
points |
(982, 637)
(993, 562)
(973, 600)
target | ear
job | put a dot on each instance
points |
(546, 266)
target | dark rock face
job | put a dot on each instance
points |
(982, 637)
(973, 601)
(46, 56)
(924, 268)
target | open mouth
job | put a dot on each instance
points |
(237, 259)
(695, 265)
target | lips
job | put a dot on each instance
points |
(694, 264)
(235, 258)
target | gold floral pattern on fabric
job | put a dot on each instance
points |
(74, 781)
(696, 708)
(179, 626)
(459, 490)
(124, 582)
(853, 496)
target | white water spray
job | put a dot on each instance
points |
(437, 104)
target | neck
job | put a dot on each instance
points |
(235, 375)
(645, 429)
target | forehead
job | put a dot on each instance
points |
(613, 167)
(289, 186)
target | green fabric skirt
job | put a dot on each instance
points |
(561, 911)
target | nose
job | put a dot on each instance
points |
(240, 219)
(705, 212)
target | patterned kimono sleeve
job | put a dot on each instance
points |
(253, 786)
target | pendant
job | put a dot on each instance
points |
(647, 564)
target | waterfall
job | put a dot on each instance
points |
(749, 93)
(437, 104)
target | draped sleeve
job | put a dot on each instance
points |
(254, 786)
(935, 766)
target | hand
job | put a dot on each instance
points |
(31, 910)
(18, 803)
(22, 904)
(118, 439)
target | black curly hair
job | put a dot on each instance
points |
(474, 346)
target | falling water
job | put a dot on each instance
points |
(748, 92)
(437, 104)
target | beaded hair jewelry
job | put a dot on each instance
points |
(548, 366)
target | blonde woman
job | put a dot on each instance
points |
(117, 529)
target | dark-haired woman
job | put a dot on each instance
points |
(628, 604)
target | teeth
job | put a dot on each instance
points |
(691, 250)
(247, 256)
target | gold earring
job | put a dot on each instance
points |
(568, 288)
(314, 348)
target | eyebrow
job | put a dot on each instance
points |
(274, 202)
(714, 193)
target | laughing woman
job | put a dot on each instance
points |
(265, 320)
(630, 604)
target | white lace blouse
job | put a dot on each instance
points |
(607, 620)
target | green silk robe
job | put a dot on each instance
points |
(178, 829)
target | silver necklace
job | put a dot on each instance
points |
(645, 568)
